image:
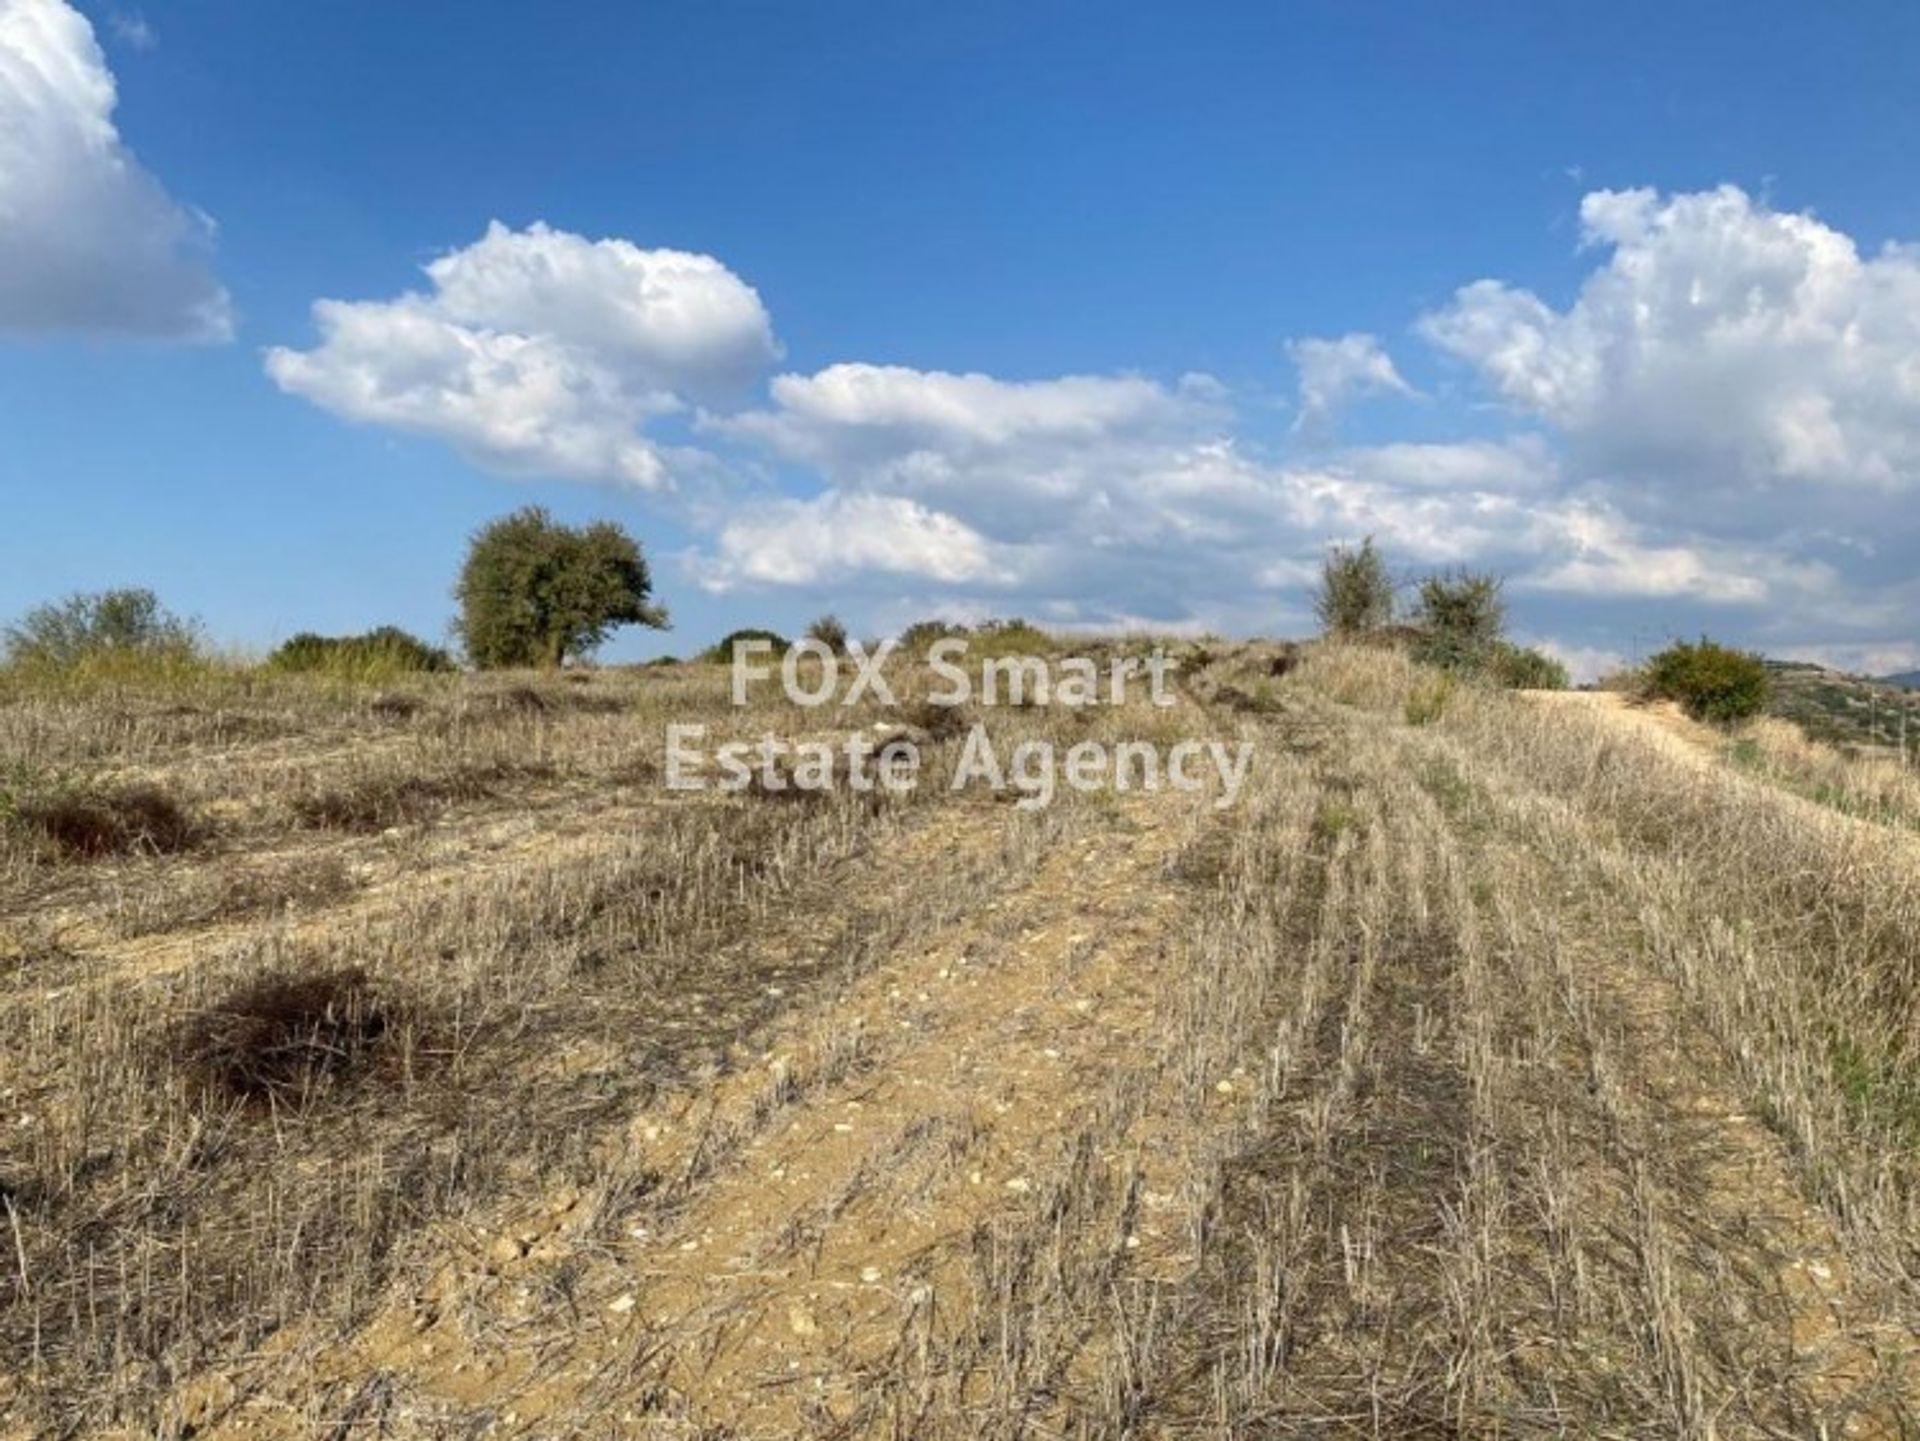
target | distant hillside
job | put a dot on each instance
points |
(1906, 680)
(1847, 710)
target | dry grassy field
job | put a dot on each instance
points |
(413, 1063)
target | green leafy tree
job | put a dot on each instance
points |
(1711, 682)
(535, 592)
(1356, 594)
(129, 622)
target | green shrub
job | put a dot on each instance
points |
(1461, 610)
(989, 638)
(831, 632)
(919, 637)
(110, 626)
(1518, 668)
(721, 651)
(535, 592)
(378, 653)
(1356, 594)
(1010, 637)
(1711, 682)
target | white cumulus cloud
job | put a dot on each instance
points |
(1721, 341)
(835, 536)
(89, 241)
(1335, 373)
(539, 352)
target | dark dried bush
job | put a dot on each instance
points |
(394, 707)
(376, 803)
(787, 787)
(940, 722)
(123, 820)
(519, 700)
(283, 1037)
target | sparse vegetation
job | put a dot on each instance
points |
(87, 821)
(1843, 709)
(919, 637)
(378, 802)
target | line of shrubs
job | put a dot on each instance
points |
(1456, 623)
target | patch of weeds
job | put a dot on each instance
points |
(526, 700)
(1427, 702)
(1876, 1088)
(1745, 754)
(283, 1038)
(1460, 799)
(1333, 820)
(517, 700)
(1263, 699)
(784, 786)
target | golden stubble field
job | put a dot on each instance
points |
(413, 1063)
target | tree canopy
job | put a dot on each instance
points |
(536, 592)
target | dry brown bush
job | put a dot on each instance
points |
(282, 1038)
(87, 824)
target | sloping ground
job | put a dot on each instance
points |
(1845, 709)
(1527, 1072)
(1660, 724)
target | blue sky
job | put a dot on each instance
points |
(1102, 314)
